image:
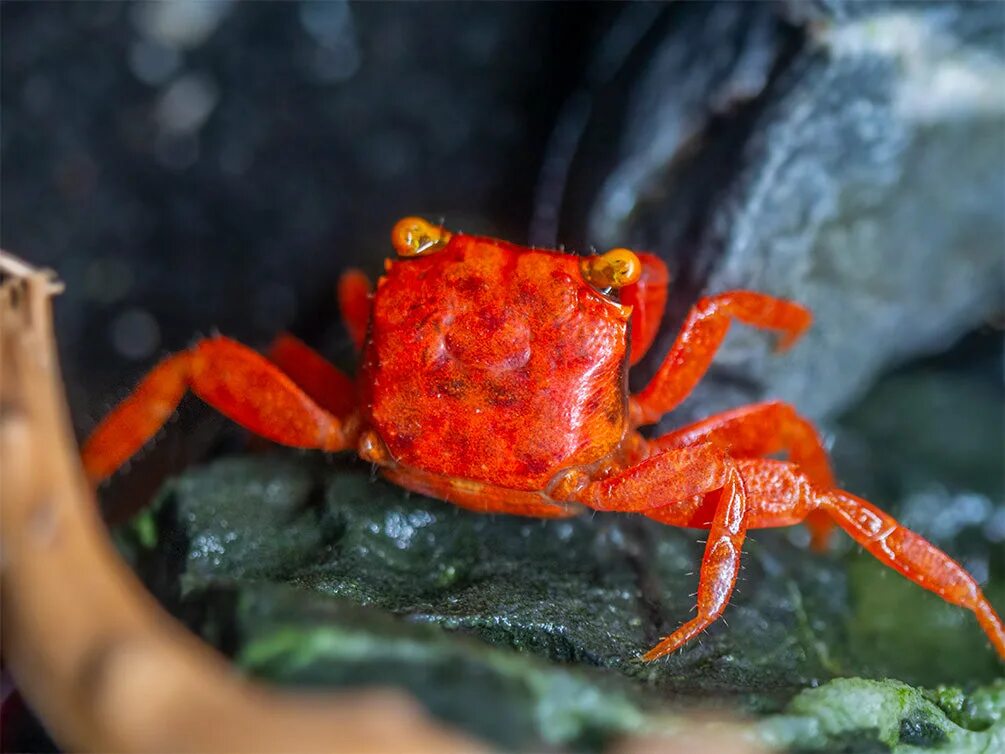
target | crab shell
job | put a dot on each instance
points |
(495, 363)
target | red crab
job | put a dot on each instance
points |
(495, 377)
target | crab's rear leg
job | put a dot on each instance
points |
(914, 557)
(700, 337)
(703, 476)
(780, 494)
(240, 383)
(762, 429)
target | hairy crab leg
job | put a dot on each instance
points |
(700, 337)
(354, 303)
(647, 297)
(676, 474)
(780, 494)
(695, 474)
(240, 383)
(762, 429)
(720, 565)
(330, 388)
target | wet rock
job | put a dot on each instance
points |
(517, 700)
(847, 155)
(845, 713)
(310, 572)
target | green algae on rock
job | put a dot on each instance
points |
(902, 719)
(515, 699)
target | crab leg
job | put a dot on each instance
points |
(914, 557)
(647, 296)
(780, 494)
(700, 337)
(762, 429)
(661, 479)
(238, 382)
(329, 387)
(697, 474)
(720, 565)
(354, 303)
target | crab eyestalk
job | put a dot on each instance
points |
(615, 269)
(413, 237)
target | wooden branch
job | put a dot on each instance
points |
(95, 656)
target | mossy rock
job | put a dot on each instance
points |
(310, 571)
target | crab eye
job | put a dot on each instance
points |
(413, 236)
(615, 269)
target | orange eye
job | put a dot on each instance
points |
(615, 269)
(413, 236)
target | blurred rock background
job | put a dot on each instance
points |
(189, 166)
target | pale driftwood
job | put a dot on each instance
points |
(104, 666)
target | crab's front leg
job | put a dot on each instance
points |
(238, 382)
(331, 388)
(700, 337)
(720, 565)
(780, 495)
(701, 475)
(762, 429)
(648, 297)
(914, 557)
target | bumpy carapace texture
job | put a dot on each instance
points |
(490, 363)
(495, 377)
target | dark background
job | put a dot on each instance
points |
(197, 166)
(211, 167)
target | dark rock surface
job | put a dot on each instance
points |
(310, 572)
